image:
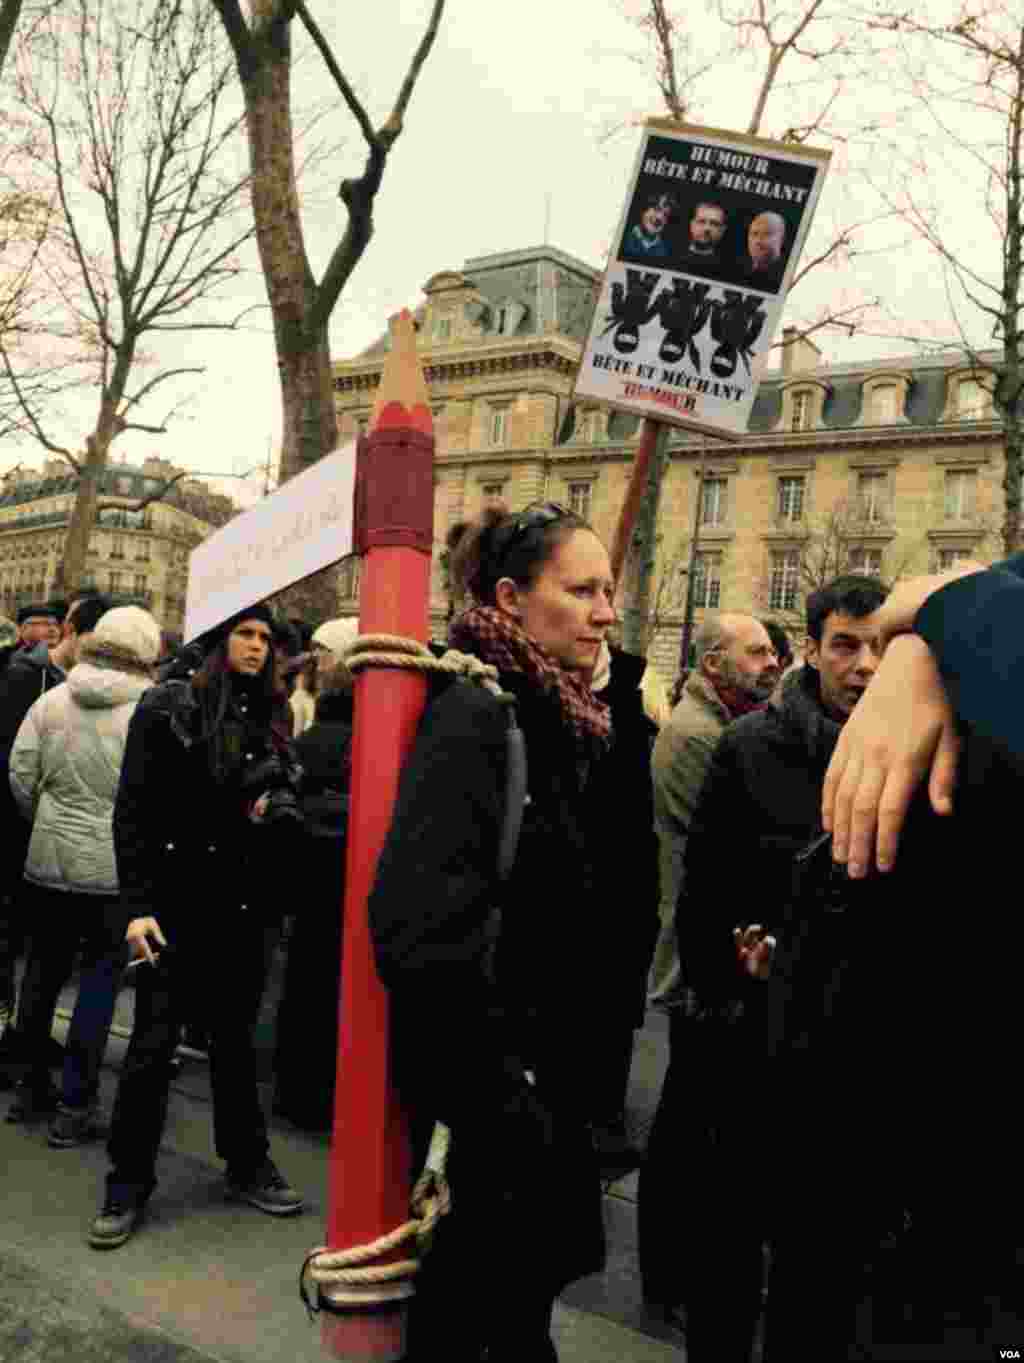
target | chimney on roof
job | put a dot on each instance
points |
(799, 353)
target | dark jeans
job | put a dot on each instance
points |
(60, 923)
(699, 1221)
(213, 973)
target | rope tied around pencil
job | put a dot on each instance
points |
(394, 651)
(354, 1267)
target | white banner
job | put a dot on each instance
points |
(302, 527)
(710, 235)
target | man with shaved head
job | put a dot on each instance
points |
(735, 674)
(766, 240)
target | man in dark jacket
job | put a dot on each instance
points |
(306, 1052)
(633, 884)
(758, 808)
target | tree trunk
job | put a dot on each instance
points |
(83, 517)
(636, 613)
(304, 362)
(10, 11)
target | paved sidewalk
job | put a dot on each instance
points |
(209, 1280)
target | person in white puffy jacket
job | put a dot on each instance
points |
(64, 770)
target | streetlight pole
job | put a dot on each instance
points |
(684, 642)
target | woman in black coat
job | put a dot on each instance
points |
(205, 807)
(497, 989)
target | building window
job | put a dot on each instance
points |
(950, 558)
(348, 578)
(443, 329)
(492, 491)
(115, 581)
(885, 401)
(791, 498)
(785, 580)
(867, 562)
(579, 499)
(117, 547)
(141, 584)
(499, 422)
(872, 496)
(801, 412)
(971, 400)
(707, 581)
(960, 487)
(714, 501)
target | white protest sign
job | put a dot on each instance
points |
(302, 527)
(703, 256)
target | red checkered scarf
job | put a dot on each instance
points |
(495, 638)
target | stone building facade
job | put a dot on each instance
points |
(890, 467)
(138, 555)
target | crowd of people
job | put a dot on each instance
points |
(784, 862)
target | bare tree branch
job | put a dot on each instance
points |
(347, 93)
(358, 195)
(394, 124)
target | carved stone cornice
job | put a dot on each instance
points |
(478, 363)
(860, 438)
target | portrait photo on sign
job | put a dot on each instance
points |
(715, 213)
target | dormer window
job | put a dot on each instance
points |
(803, 401)
(884, 398)
(885, 401)
(972, 400)
(968, 395)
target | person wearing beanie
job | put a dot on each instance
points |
(38, 624)
(206, 809)
(64, 774)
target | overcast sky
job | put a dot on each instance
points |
(515, 105)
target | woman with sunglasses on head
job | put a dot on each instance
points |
(499, 991)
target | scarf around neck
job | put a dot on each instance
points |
(495, 638)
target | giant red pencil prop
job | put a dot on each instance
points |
(369, 1170)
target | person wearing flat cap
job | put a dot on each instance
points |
(206, 803)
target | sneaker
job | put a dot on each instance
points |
(115, 1223)
(32, 1104)
(265, 1188)
(74, 1126)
